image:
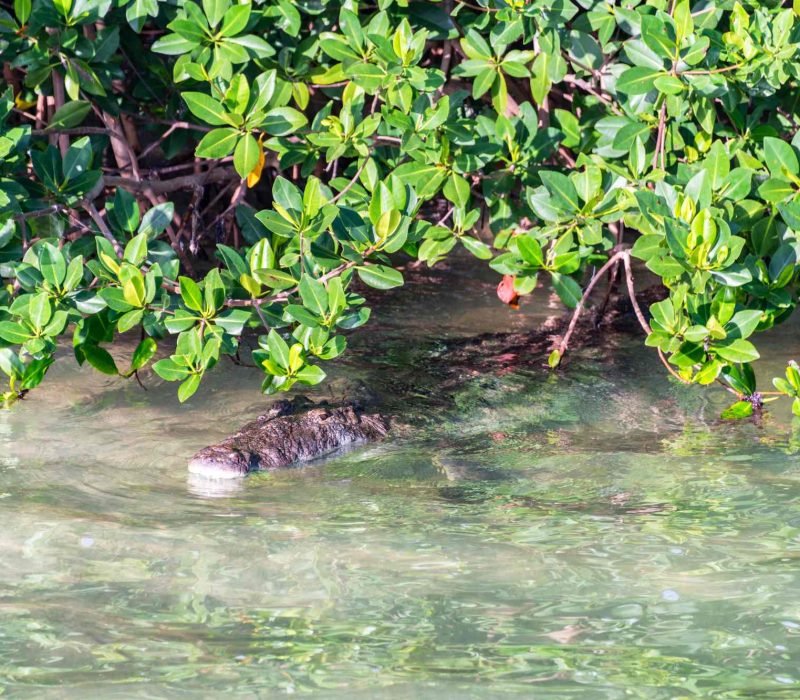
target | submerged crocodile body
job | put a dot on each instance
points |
(297, 431)
(290, 433)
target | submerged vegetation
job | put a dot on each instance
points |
(201, 169)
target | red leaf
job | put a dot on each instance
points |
(506, 293)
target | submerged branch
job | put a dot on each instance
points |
(564, 344)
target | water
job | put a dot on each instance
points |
(602, 535)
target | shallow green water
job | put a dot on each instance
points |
(602, 536)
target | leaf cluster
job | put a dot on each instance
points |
(290, 149)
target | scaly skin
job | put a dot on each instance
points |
(287, 435)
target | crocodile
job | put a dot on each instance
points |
(289, 433)
(295, 431)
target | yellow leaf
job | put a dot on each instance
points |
(255, 173)
(22, 103)
(110, 263)
(252, 286)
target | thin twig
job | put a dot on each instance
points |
(60, 98)
(101, 224)
(666, 364)
(626, 259)
(445, 217)
(714, 71)
(352, 182)
(54, 209)
(78, 131)
(185, 182)
(236, 199)
(661, 137)
(564, 344)
(158, 141)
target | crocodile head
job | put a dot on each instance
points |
(221, 462)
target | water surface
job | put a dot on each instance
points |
(592, 534)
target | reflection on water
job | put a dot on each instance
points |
(596, 534)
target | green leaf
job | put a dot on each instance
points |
(138, 11)
(530, 250)
(39, 310)
(311, 375)
(173, 45)
(478, 248)
(287, 196)
(780, 157)
(276, 279)
(233, 321)
(743, 323)
(170, 370)
(124, 211)
(456, 189)
(261, 256)
(625, 139)
(99, 358)
(245, 157)
(144, 352)
(188, 30)
(561, 189)
(663, 313)
(214, 292)
(218, 143)
(188, 387)
(380, 276)
(684, 22)
(426, 179)
(156, 220)
(136, 250)
(641, 55)
(63, 7)
(22, 10)
(734, 276)
(283, 120)
(14, 332)
(130, 320)
(207, 109)
(303, 315)
(737, 184)
(215, 10)
(10, 363)
(235, 20)
(568, 290)
(191, 294)
(776, 190)
(738, 410)
(637, 80)
(74, 274)
(278, 349)
(656, 36)
(571, 127)
(70, 115)
(52, 264)
(737, 351)
(669, 84)
(541, 81)
(314, 295)
(483, 82)
(253, 45)
(475, 45)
